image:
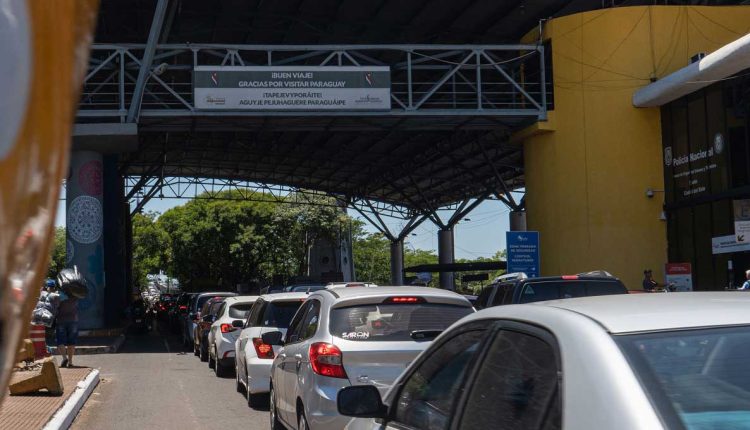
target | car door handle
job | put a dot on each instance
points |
(298, 357)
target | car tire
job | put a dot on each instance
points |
(255, 400)
(275, 423)
(302, 421)
(203, 354)
(237, 383)
(220, 370)
(211, 360)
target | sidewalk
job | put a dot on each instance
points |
(43, 411)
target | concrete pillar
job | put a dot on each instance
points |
(445, 256)
(116, 295)
(397, 262)
(84, 224)
(517, 220)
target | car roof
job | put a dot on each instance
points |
(283, 296)
(350, 293)
(217, 294)
(240, 299)
(626, 313)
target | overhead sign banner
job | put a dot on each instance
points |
(728, 244)
(742, 220)
(680, 275)
(292, 88)
(523, 252)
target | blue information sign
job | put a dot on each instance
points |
(523, 252)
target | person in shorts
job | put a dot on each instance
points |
(67, 330)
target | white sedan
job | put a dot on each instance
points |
(271, 312)
(646, 361)
(224, 332)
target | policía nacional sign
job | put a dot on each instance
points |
(303, 88)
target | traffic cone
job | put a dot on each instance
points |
(39, 339)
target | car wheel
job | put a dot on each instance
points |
(275, 423)
(302, 421)
(255, 400)
(211, 361)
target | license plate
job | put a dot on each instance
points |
(138, 320)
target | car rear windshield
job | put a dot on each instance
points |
(394, 322)
(203, 299)
(306, 288)
(240, 310)
(698, 378)
(565, 289)
(279, 313)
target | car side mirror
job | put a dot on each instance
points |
(238, 323)
(273, 338)
(360, 401)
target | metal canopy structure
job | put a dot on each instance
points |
(460, 85)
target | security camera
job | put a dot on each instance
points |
(649, 192)
(161, 68)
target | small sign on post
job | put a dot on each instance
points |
(680, 275)
(742, 221)
(523, 252)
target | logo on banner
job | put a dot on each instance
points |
(215, 78)
(369, 78)
(668, 156)
(718, 143)
(215, 100)
(368, 99)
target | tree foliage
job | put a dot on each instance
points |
(152, 247)
(57, 260)
(230, 239)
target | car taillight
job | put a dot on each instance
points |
(226, 328)
(570, 277)
(183, 308)
(263, 350)
(325, 360)
(404, 299)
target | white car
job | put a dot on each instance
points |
(271, 312)
(624, 362)
(224, 332)
(352, 336)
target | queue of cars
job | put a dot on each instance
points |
(572, 352)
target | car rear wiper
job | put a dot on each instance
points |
(424, 334)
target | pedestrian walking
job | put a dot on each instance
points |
(72, 287)
(746, 285)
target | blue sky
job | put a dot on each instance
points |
(482, 236)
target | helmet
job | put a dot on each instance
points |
(73, 283)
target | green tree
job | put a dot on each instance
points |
(152, 247)
(58, 258)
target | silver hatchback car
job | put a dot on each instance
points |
(352, 336)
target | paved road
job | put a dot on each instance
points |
(153, 384)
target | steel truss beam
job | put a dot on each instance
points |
(211, 189)
(423, 77)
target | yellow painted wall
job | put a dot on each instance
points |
(586, 181)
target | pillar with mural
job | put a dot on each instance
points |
(84, 225)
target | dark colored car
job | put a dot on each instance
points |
(511, 289)
(207, 317)
(179, 311)
(190, 321)
(163, 306)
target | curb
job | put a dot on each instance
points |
(90, 350)
(64, 416)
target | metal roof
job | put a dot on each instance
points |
(419, 162)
